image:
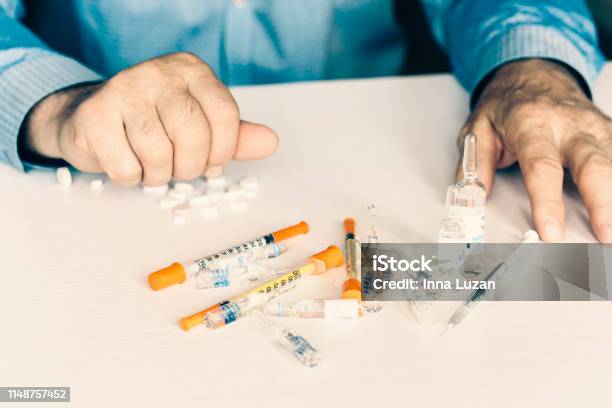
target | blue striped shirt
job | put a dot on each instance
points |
(268, 41)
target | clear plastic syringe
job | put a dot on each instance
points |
(351, 289)
(176, 273)
(467, 305)
(230, 310)
(297, 345)
(240, 269)
(321, 308)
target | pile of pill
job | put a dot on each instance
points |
(183, 199)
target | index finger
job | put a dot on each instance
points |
(540, 163)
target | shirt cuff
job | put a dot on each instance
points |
(26, 83)
(536, 42)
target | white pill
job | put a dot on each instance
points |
(215, 193)
(249, 183)
(169, 202)
(200, 200)
(96, 184)
(209, 212)
(217, 181)
(234, 192)
(238, 205)
(183, 187)
(182, 209)
(179, 220)
(531, 236)
(157, 190)
(64, 178)
(251, 194)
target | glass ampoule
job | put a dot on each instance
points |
(466, 199)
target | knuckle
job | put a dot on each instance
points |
(537, 108)
(542, 165)
(529, 109)
(144, 77)
(126, 173)
(229, 113)
(593, 164)
(545, 206)
(190, 61)
(598, 162)
(191, 107)
(187, 57)
(118, 82)
(152, 71)
(149, 129)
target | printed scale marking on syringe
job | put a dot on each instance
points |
(235, 250)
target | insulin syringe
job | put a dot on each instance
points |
(230, 310)
(240, 254)
(467, 305)
(351, 289)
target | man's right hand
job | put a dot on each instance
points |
(168, 117)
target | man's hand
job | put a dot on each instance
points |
(534, 112)
(166, 117)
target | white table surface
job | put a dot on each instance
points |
(75, 308)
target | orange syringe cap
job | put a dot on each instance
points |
(167, 276)
(196, 319)
(351, 289)
(331, 257)
(349, 225)
(290, 232)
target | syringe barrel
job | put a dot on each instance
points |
(201, 264)
(232, 310)
(241, 268)
(353, 259)
(277, 236)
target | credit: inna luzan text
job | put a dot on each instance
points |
(384, 263)
(414, 284)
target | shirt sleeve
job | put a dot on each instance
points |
(481, 35)
(29, 71)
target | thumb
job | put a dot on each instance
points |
(488, 149)
(255, 141)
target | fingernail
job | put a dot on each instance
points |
(552, 230)
(213, 172)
